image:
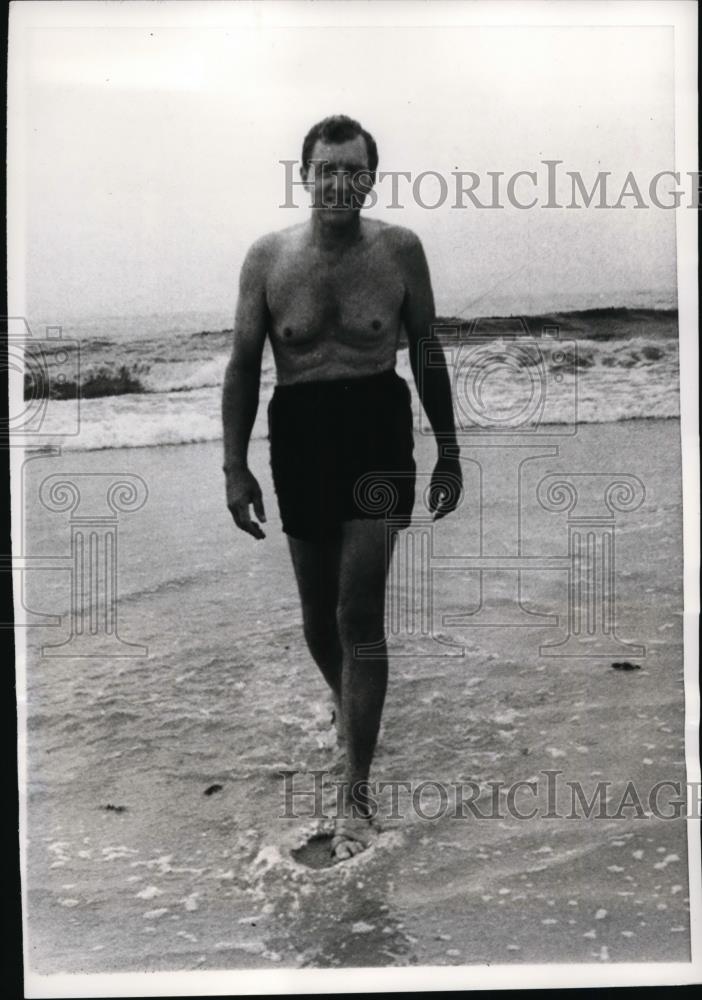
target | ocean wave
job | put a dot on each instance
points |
(184, 375)
(166, 374)
(592, 396)
(602, 324)
(596, 366)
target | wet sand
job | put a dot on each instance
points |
(133, 866)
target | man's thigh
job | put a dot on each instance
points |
(317, 569)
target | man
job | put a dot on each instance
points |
(332, 295)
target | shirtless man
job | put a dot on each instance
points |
(332, 295)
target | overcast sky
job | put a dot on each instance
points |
(152, 155)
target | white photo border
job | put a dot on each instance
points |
(682, 16)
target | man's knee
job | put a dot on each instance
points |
(320, 630)
(359, 621)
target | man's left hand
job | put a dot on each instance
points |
(446, 487)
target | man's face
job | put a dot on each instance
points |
(340, 185)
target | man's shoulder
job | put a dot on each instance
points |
(403, 246)
(263, 247)
(266, 248)
(398, 238)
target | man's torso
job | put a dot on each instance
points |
(334, 313)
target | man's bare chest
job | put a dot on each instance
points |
(308, 296)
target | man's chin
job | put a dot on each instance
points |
(337, 216)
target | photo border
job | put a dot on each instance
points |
(682, 15)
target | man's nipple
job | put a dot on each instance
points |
(376, 324)
(287, 332)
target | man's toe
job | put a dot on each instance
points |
(342, 851)
(345, 848)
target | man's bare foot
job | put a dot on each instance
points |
(351, 836)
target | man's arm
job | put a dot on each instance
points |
(241, 388)
(430, 374)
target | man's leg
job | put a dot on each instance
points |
(316, 565)
(365, 556)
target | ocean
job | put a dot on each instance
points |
(153, 380)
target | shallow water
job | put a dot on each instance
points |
(136, 863)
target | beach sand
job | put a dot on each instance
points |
(132, 866)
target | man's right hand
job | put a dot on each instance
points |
(243, 491)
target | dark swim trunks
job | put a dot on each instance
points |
(342, 449)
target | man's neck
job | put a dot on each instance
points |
(334, 237)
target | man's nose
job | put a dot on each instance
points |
(341, 186)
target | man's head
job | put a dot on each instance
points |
(334, 130)
(339, 160)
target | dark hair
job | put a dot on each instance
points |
(338, 128)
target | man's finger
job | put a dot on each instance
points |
(442, 509)
(240, 511)
(258, 506)
(436, 494)
(444, 498)
(235, 512)
(441, 492)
